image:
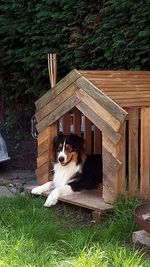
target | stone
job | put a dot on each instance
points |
(141, 237)
(4, 192)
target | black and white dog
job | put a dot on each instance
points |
(73, 170)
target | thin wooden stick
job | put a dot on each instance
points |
(55, 68)
(52, 69)
(49, 71)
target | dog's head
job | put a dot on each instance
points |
(67, 148)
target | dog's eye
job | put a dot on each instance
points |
(58, 149)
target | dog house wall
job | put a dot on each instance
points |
(132, 92)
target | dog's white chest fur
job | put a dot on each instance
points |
(62, 174)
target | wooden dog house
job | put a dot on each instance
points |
(114, 109)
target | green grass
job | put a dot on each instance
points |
(32, 236)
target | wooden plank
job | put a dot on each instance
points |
(110, 74)
(77, 122)
(133, 150)
(108, 145)
(99, 110)
(42, 159)
(59, 112)
(66, 123)
(111, 167)
(97, 141)
(43, 135)
(115, 81)
(145, 153)
(55, 103)
(111, 163)
(90, 199)
(42, 173)
(105, 128)
(43, 147)
(103, 100)
(88, 135)
(60, 86)
(120, 154)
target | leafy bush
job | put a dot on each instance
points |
(92, 34)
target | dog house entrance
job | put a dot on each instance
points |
(75, 122)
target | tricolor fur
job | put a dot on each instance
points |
(73, 170)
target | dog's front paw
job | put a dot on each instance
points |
(50, 201)
(37, 190)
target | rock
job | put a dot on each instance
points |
(141, 237)
(4, 192)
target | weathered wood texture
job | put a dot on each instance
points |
(126, 88)
(88, 135)
(120, 154)
(104, 127)
(133, 150)
(111, 167)
(66, 123)
(145, 153)
(60, 86)
(97, 149)
(58, 113)
(77, 121)
(100, 98)
(104, 101)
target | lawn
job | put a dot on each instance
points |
(62, 236)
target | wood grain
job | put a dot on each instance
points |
(58, 113)
(88, 135)
(145, 153)
(105, 128)
(133, 151)
(59, 87)
(103, 100)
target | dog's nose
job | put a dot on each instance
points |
(61, 159)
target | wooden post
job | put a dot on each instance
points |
(145, 153)
(88, 135)
(133, 151)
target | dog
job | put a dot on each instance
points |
(73, 170)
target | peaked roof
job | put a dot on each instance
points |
(75, 90)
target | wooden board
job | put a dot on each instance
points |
(42, 173)
(43, 147)
(56, 102)
(99, 110)
(97, 141)
(111, 168)
(88, 135)
(133, 151)
(103, 100)
(66, 123)
(105, 128)
(77, 122)
(90, 199)
(42, 159)
(145, 153)
(60, 86)
(120, 154)
(59, 112)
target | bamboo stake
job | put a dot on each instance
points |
(52, 69)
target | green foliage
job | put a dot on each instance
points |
(86, 34)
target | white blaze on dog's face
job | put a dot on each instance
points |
(67, 148)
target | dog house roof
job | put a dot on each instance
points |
(99, 95)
